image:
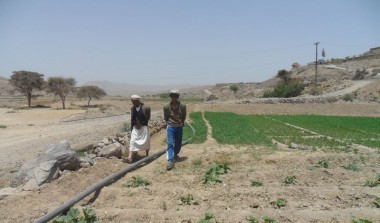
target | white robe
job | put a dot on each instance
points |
(140, 139)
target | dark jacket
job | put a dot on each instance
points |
(145, 110)
(182, 110)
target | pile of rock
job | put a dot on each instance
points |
(60, 158)
(298, 100)
(117, 145)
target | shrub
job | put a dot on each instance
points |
(360, 74)
(348, 97)
(282, 90)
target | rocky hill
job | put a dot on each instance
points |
(330, 78)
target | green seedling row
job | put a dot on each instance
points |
(231, 128)
(359, 130)
(199, 135)
(334, 132)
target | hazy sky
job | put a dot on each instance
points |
(161, 42)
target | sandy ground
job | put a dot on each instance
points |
(331, 194)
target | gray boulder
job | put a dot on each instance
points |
(66, 158)
(114, 149)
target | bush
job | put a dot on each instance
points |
(348, 97)
(360, 74)
(282, 90)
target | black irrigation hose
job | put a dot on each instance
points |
(99, 185)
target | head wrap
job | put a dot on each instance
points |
(135, 97)
(174, 92)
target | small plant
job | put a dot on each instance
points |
(164, 206)
(73, 216)
(323, 163)
(3, 126)
(188, 200)
(352, 167)
(136, 181)
(269, 220)
(361, 220)
(252, 219)
(256, 183)
(377, 202)
(209, 218)
(372, 183)
(289, 180)
(213, 173)
(197, 163)
(279, 203)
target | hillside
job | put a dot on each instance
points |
(330, 78)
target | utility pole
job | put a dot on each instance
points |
(316, 61)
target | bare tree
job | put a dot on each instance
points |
(27, 81)
(61, 86)
(90, 92)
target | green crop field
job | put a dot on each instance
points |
(335, 132)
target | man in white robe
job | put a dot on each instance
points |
(140, 137)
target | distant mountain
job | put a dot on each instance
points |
(123, 89)
(116, 89)
(5, 87)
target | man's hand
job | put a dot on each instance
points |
(138, 124)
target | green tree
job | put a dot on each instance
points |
(27, 81)
(61, 86)
(234, 88)
(90, 92)
(284, 75)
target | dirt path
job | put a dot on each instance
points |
(356, 85)
(25, 137)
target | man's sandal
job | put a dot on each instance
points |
(127, 160)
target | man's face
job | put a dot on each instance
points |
(174, 97)
(136, 102)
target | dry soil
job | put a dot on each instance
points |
(332, 194)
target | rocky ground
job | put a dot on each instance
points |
(319, 194)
